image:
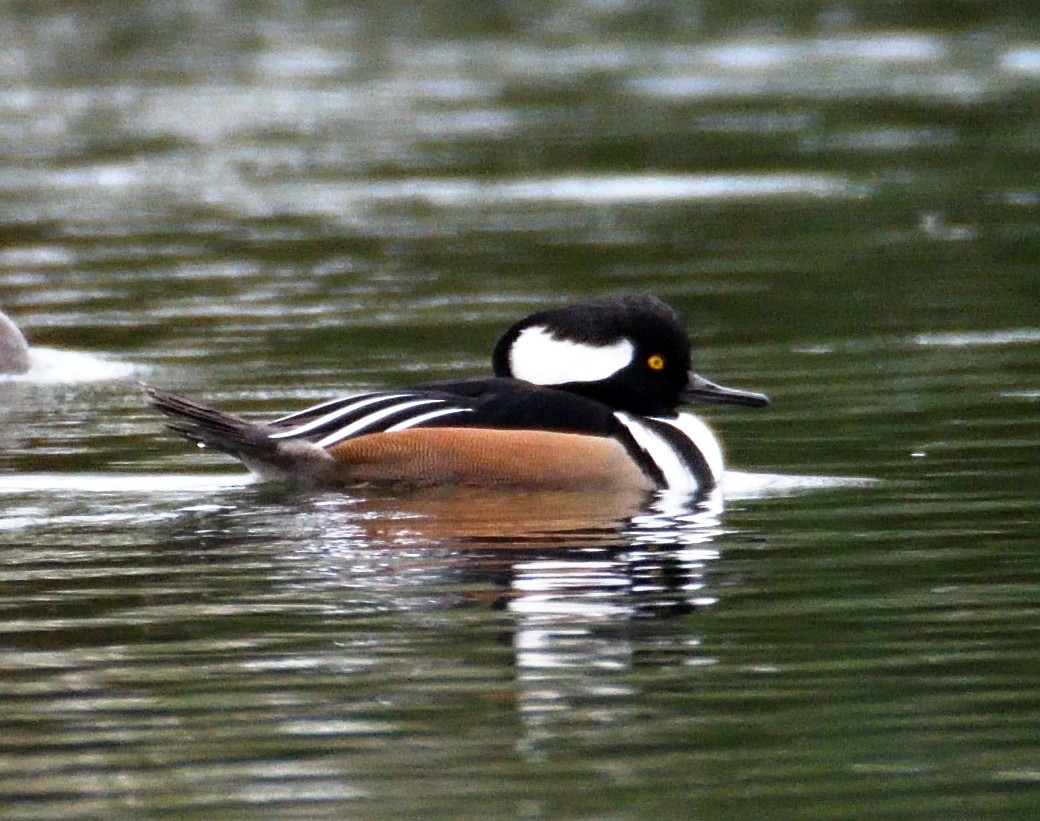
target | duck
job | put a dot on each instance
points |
(582, 397)
(14, 350)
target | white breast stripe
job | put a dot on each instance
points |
(371, 419)
(425, 417)
(677, 476)
(336, 414)
(539, 357)
(695, 429)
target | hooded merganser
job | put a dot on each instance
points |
(582, 397)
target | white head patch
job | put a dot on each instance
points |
(539, 357)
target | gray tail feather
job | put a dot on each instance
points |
(212, 428)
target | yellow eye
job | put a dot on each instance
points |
(655, 362)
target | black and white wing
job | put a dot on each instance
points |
(486, 403)
(499, 403)
(385, 412)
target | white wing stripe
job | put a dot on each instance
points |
(425, 417)
(677, 476)
(339, 401)
(371, 419)
(336, 414)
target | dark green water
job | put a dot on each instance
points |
(265, 208)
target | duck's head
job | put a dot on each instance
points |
(630, 352)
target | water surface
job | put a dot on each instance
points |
(263, 209)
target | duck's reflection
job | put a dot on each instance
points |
(582, 630)
(656, 567)
(598, 594)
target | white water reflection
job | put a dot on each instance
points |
(54, 366)
(1023, 59)
(964, 339)
(600, 189)
(889, 65)
(118, 483)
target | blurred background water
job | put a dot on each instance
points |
(267, 204)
